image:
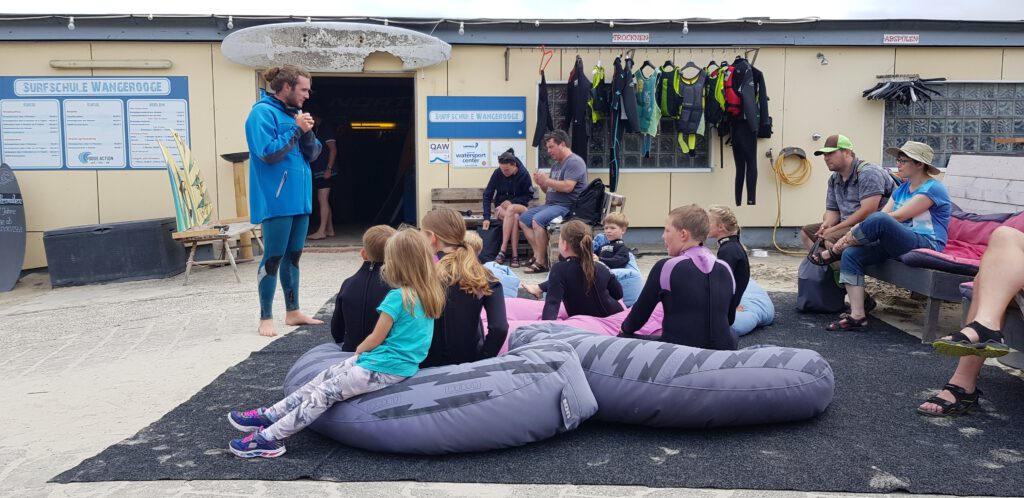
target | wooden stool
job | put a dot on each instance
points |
(223, 233)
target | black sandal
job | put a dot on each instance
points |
(847, 322)
(536, 268)
(990, 343)
(814, 256)
(962, 403)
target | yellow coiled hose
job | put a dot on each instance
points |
(794, 177)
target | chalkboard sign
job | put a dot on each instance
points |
(12, 229)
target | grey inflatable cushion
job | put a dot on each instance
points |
(667, 385)
(529, 394)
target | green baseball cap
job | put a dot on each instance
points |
(834, 143)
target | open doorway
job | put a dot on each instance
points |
(374, 173)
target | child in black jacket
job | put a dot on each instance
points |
(510, 190)
(355, 307)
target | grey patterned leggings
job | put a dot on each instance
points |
(339, 382)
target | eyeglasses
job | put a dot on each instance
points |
(904, 160)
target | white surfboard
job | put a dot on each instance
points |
(12, 229)
(331, 46)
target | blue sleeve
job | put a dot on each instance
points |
(311, 147)
(392, 304)
(599, 240)
(936, 191)
(489, 193)
(267, 142)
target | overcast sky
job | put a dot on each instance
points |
(548, 9)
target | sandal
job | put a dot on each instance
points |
(536, 268)
(990, 343)
(500, 258)
(515, 262)
(962, 404)
(814, 256)
(847, 322)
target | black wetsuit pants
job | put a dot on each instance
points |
(744, 152)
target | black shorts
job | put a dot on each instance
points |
(321, 183)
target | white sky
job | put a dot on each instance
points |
(548, 9)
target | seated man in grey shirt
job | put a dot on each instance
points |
(856, 189)
(567, 179)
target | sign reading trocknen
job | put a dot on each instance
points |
(476, 117)
(91, 123)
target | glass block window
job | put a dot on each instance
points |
(665, 151)
(965, 119)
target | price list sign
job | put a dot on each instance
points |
(91, 123)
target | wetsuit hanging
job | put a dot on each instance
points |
(667, 91)
(691, 107)
(648, 110)
(623, 113)
(544, 121)
(744, 130)
(598, 102)
(577, 112)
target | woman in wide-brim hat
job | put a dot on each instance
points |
(916, 216)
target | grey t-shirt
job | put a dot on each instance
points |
(573, 168)
(865, 181)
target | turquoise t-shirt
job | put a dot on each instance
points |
(932, 223)
(408, 342)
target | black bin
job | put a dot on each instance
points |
(131, 250)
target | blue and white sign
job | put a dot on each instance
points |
(91, 123)
(471, 154)
(476, 117)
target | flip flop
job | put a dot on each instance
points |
(536, 268)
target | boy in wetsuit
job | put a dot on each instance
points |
(355, 307)
(694, 287)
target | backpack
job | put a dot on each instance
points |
(733, 102)
(590, 204)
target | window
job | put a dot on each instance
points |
(665, 151)
(965, 119)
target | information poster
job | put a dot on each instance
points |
(471, 154)
(91, 123)
(499, 147)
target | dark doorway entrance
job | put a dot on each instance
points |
(374, 174)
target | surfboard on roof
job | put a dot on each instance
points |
(331, 46)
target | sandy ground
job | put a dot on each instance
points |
(86, 367)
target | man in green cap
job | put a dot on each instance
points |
(856, 189)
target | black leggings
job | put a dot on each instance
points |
(744, 152)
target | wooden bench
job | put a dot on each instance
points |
(977, 184)
(223, 232)
(466, 199)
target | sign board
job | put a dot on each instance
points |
(440, 152)
(889, 39)
(476, 117)
(631, 38)
(471, 154)
(498, 147)
(12, 229)
(90, 122)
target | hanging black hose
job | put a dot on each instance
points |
(905, 89)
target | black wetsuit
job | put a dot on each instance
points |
(545, 123)
(577, 111)
(355, 307)
(458, 332)
(698, 310)
(731, 251)
(566, 285)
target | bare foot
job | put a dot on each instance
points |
(267, 328)
(299, 318)
(330, 233)
(317, 236)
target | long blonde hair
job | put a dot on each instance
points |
(461, 265)
(576, 235)
(409, 266)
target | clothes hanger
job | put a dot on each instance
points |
(647, 64)
(546, 54)
(690, 65)
(668, 66)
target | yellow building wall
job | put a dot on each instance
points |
(807, 98)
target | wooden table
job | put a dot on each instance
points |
(223, 233)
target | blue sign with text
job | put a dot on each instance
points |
(476, 117)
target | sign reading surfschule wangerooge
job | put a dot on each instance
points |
(476, 117)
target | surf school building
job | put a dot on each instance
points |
(84, 110)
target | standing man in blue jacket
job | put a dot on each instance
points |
(281, 146)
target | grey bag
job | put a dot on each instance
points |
(817, 290)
